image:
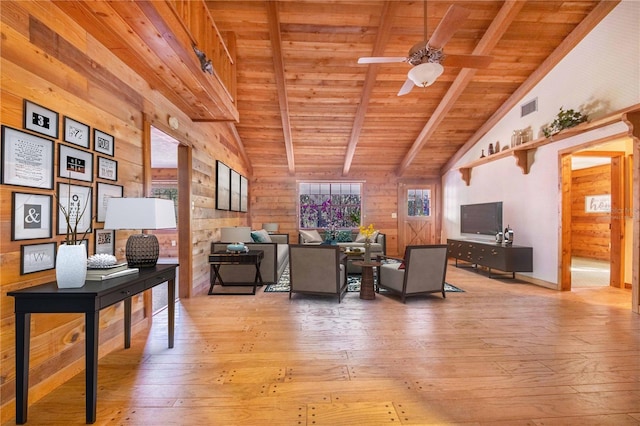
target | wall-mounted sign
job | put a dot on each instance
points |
(597, 203)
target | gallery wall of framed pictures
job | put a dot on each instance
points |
(76, 188)
(232, 189)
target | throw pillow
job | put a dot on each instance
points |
(260, 236)
(310, 236)
(344, 236)
(361, 238)
(402, 265)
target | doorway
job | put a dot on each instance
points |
(418, 214)
(594, 227)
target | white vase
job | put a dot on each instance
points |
(71, 266)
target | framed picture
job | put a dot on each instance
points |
(105, 241)
(235, 191)
(223, 186)
(244, 193)
(107, 168)
(30, 216)
(75, 163)
(76, 132)
(104, 193)
(27, 160)
(40, 119)
(103, 142)
(37, 257)
(74, 208)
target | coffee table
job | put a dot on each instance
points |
(367, 290)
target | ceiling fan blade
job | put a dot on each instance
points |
(450, 23)
(406, 87)
(467, 61)
(381, 59)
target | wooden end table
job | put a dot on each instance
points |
(219, 258)
(367, 290)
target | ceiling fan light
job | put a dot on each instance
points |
(424, 75)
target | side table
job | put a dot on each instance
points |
(219, 258)
(367, 291)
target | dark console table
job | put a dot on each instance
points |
(507, 258)
(88, 299)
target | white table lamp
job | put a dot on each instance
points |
(142, 250)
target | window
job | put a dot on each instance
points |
(329, 204)
(418, 202)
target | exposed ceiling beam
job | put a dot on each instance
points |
(278, 64)
(384, 32)
(243, 153)
(494, 33)
(570, 42)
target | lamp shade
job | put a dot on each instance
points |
(425, 74)
(270, 227)
(236, 234)
(142, 250)
(140, 213)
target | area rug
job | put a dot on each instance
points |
(353, 284)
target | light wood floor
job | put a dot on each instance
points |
(502, 353)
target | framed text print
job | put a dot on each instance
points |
(30, 216)
(74, 209)
(103, 142)
(104, 193)
(27, 160)
(76, 132)
(40, 119)
(75, 163)
(107, 168)
(105, 241)
(37, 257)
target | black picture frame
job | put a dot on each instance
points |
(104, 191)
(223, 186)
(104, 241)
(37, 257)
(244, 194)
(75, 163)
(31, 216)
(107, 168)
(78, 200)
(103, 142)
(40, 119)
(27, 159)
(76, 132)
(235, 191)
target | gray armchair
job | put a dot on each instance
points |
(317, 270)
(422, 271)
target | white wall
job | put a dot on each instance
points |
(601, 75)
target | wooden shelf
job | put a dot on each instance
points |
(521, 152)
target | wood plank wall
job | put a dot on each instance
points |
(273, 198)
(590, 233)
(48, 59)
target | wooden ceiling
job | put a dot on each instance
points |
(306, 106)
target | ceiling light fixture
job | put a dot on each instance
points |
(425, 74)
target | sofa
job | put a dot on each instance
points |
(346, 239)
(275, 261)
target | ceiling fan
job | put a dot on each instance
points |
(426, 56)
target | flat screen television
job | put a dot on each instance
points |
(481, 219)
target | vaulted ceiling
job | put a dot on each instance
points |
(306, 105)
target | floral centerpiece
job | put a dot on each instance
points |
(368, 232)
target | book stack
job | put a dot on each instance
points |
(114, 271)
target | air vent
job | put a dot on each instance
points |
(529, 107)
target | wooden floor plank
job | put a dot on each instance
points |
(501, 353)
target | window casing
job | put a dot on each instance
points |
(418, 202)
(329, 205)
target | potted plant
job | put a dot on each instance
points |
(565, 119)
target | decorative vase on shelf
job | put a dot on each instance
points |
(71, 266)
(367, 251)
